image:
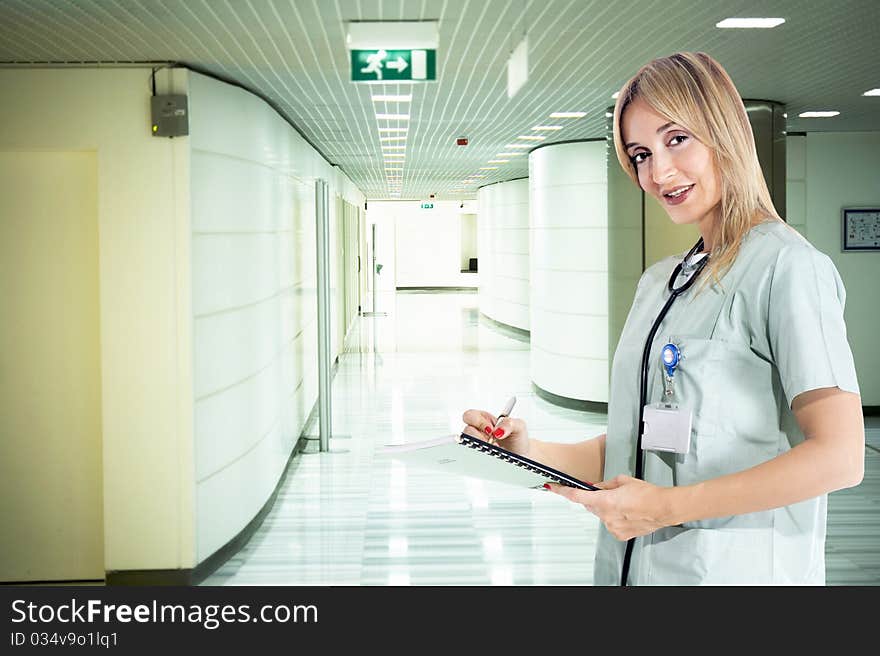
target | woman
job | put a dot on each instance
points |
(764, 371)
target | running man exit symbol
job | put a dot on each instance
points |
(393, 65)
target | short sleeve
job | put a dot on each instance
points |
(806, 329)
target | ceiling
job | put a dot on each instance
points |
(293, 53)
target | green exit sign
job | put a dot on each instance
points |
(427, 206)
(393, 65)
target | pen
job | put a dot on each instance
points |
(505, 412)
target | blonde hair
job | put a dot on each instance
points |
(694, 91)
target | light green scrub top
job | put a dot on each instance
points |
(773, 329)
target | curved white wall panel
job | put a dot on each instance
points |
(503, 252)
(254, 317)
(569, 270)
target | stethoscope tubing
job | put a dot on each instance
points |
(674, 293)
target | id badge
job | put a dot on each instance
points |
(667, 428)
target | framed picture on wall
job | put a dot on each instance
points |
(861, 229)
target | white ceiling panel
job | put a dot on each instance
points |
(293, 53)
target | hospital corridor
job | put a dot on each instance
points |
(350, 517)
(255, 255)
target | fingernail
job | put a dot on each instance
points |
(547, 486)
(499, 432)
(488, 430)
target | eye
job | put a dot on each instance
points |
(681, 138)
(639, 157)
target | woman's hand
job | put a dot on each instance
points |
(511, 434)
(628, 507)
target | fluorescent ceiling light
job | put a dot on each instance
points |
(488, 168)
(750, 22)
(547, 127)
(508, 154)
(498, 161)
(518, 146)
(614, 95)
(390, 155)
(532, 137)
(392, 117)
(392, 138)
(568, 114)
(872, 92)
(478, 176)
(392, 147)
(387, 98)
(393, 129)
(818, 114)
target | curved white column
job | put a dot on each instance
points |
(503, 252)
(569, 270)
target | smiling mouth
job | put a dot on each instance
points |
(678, 192)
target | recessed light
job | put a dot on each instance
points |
(818, 114)
(392, 117)
(386, 98)
(872, 92)
(547, 127)
(750, 22)
(568, 114)
(608, 114)
(614, 95)
(517, 146)
(393, 129)
(392, 138)
(535, 137)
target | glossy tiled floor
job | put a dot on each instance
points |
(350, 517)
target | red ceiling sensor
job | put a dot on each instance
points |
(461, 141)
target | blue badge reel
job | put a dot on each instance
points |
(667, 424)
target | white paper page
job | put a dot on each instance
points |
(447, 455)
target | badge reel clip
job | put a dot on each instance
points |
(667, 425)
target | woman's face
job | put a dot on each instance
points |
(673, 166)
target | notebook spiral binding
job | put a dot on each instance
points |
(524, 463)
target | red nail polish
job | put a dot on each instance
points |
(499, 432)
(488, 430)
(546, 486)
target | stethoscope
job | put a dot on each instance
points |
(691, 267)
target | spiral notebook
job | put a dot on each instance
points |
(470, 456)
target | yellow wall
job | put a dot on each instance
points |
(144, 284)
(50, 405)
